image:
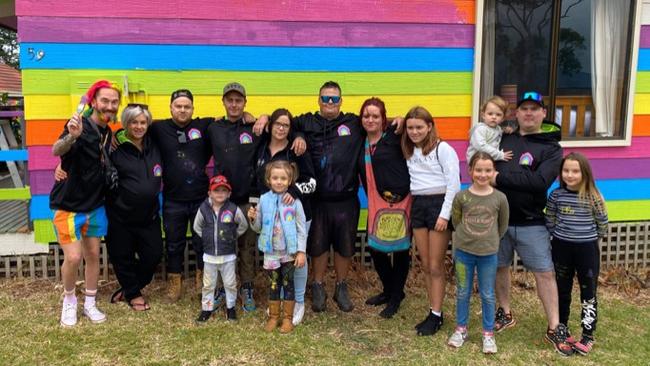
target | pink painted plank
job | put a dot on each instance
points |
(644, 40)
(382, 11)
(640, 148)
(245, 33)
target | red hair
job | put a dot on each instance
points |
(100, 84)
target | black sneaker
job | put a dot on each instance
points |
(379, 299)
(318, 297)
(431, 325)
(503, 321)
(342, 298)
(391, 309)
(204, 316)
(420, 324)
(558, 338)
(231, 314)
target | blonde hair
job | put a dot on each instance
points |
(497, 101)
(430, 140)
(290, 168)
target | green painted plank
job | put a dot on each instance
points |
(628, 210)
(43, 81)
(44, 231)
(643, 82)
(7, 194)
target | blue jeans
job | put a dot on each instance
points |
(486, 269)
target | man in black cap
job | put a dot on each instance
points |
(185, 152)
(525, 180)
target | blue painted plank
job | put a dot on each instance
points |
(243, 58)
(621, 189)
(644, 59)
(13, 155)
(39, 208)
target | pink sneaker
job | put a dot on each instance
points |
(584, 346)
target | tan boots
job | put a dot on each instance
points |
(198, 280)
(174, 287)
(274, 316)
(287, 316)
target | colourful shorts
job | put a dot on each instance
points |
(73, 226)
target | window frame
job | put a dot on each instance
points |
(626, 140)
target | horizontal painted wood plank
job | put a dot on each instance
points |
(13, 155)
(409, 11)
(62, 106)
(643, 82)
(11, 114)
(244, 58)
(243, 32)
(39, 81)
(640, 148)
(644, 40)
(46, 132)
(644, 59)
(621, 168)
(641, 125)
(44, 231)
(642, 103)
(15, 194)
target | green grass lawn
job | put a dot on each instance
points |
(167, 335)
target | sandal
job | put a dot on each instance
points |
(118, 296)
(139, 306)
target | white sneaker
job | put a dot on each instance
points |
(489, 344)
(94, 314)
(69, 314)
(298, 313)
(457, 338)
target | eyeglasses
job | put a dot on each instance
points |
(182, 138)
(138, 105)
(333, 98)
(534, 96)
(283, 126)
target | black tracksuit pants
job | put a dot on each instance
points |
(392, 275)
(176, 217)
(135, 251)
(582, 259)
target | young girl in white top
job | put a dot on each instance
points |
(435, 180)
(486, 135)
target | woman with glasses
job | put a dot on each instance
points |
(132, 209)
(385, 178)
(277, 146)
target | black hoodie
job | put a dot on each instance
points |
(140, 176)
(334, 147)
(525, 180)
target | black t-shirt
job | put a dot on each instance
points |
(185, 152)
(84, 189)
(234, 148)
(388, 165)
(334, 147)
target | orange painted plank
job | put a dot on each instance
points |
(46, 132)
(641, 126)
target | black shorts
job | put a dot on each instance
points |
(425, 210)
(333, 224)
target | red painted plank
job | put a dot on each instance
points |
(379, 11)
(245, 33)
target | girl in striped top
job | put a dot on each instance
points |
(576, 218)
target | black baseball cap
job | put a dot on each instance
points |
(531, 96)
(182, 93)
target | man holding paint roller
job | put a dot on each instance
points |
(78, 202)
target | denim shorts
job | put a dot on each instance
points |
(532, 244)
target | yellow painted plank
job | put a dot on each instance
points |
(62, 106)
(642, 104)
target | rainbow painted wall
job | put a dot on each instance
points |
(407, 52)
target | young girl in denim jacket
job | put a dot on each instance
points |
(280, 220)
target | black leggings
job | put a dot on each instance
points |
(282, 279)
(392, 275)
(583, 259)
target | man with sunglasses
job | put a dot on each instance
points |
(525, 180)
(335, 140)
(185, 152)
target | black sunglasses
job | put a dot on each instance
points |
(139, 105)
(182, 138)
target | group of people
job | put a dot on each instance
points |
(287, 186)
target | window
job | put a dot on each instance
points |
(577, 53)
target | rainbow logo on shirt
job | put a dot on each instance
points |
(226, 216)
(343, 130)
(289, 214)
(245, 138)
(526, 159)
(157, 170)
(194, 134)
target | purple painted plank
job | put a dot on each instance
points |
(41, 181)
(246, 33)
(644, 41)
(11, 113)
